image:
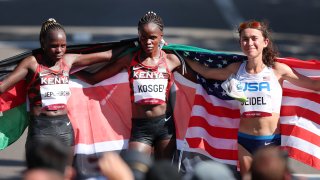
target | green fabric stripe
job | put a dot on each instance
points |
(180, 47)
(13, 124)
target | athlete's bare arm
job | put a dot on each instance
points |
(106, 72)
(92, 58)
(214, 73)
(173, 61)
(289, 74)
(19, 73)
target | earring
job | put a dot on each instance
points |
(162, 43)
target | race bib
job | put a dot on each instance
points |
(150, 91)
(55, 97)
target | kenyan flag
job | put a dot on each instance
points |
(14, 115)
(13, 109)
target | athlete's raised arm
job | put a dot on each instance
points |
(19, 73)
(213, 73)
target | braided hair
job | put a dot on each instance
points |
(47, 26)
(151, 17)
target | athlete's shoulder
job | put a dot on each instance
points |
(30, 60)
(172, 56)
(278, 66)
(173, 60)
(234, 67)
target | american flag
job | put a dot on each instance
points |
(213, 125)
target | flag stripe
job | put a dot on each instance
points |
(213, 120)
(14, 97)
(293, 130)
(218, 143)
(101, 147)
(297, 63)
(300, 112)
(215, 109)
(303, 157)
(215, 152)
(302, 145)
(213, 131)
(13, 124)
(311, 96)
(301, 122)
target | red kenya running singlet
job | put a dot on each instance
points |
(49, 88)
(149, 84)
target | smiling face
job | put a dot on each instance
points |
(55, 44)
(150, 36)
(252, 43)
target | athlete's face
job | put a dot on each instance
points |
(150, 36)
(55, 45)
(252, 43)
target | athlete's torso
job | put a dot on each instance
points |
(263, 92)
(149, 85)
(49, 89)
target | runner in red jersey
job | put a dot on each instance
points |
(47, 76)
(150, 76)
(149, 84)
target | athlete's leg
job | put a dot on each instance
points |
(140, 147)
(245, 160)
(164, 149)
(249, 144)
(141, 136)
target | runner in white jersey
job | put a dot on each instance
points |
(262, 90)
(261, 78)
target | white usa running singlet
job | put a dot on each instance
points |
(263, 92)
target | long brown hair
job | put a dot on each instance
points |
(270, 52)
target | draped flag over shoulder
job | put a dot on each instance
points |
(214, 121)
(101, 120)
(13, 109)
(300, 115)
(213, 125)
(206, 118)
